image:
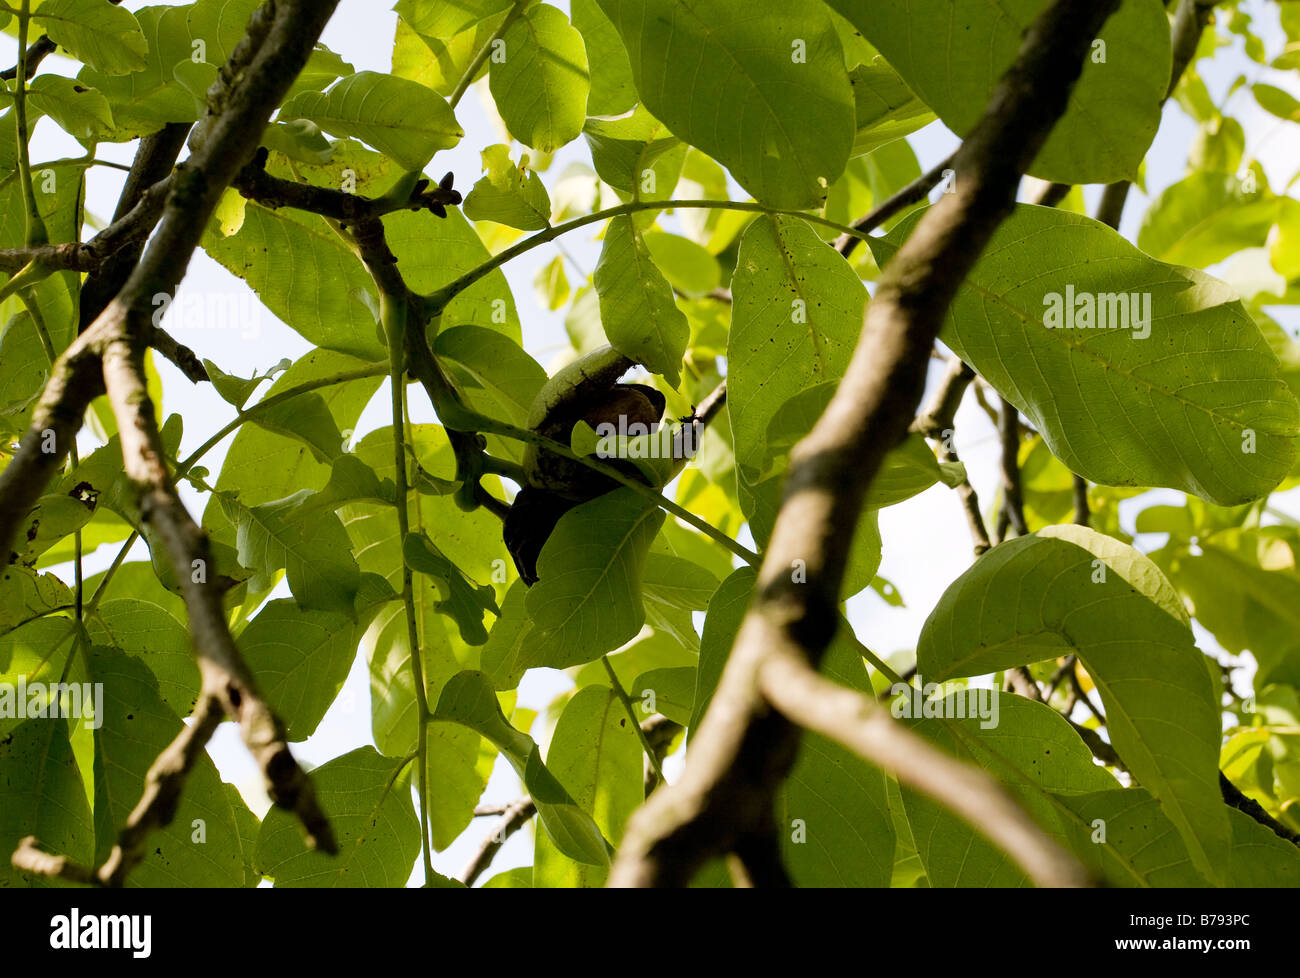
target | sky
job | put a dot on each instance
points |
(926, 540)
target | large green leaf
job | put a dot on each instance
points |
(44, 796)
(1205, 218)
(596, 756)
(1142, 847)
(953, 52)
(509, 377)
(300, 658)
(368, 798)
(1070, 589)
(612, 90)
(1189, 397)
(787, 128)
(305, 275)
(203, 846)
(796, 315)
(587, 600)
(540, 83)
(399, 117)
(103, 36)
(637, 308)
(140, 617)
(1027, 746)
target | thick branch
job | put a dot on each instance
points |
(743, 751)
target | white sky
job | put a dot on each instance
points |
(926, 540)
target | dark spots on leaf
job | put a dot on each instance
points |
(623, 722)
(31, 530)
(130, 716)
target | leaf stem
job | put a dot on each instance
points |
(437, 301)
(393, 312)
(636, 724)
(467, 79)
(36, 232)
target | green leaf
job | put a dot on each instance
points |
(1143, 847)
(509, 377)
(508, 653)
(300, 658)
(674, 588)
(400, 118)
(44, 796)
(1188, 398)
(726, 611)
(508, 194)
(305, 418)
(262, 465)
(1027, 746)
(98, 33)
(796, 315)
(462, 599)
(305, 276)
(596, 756)
(82, 112)
(1277, 102)
(612, 90)
(540, 85)
(435, 253)
(310, 545)
(1205, 218)
(636, 154)
(1070, 589)
(587, 600)
(673, 689)
(833, 811)
(886, 109)
(468, 699)
(442, 18)
(25, 595)
(203, 846)
(637, 307)
(787, 129)
(36, 652)
(952, 54)
(689, 267)
(369, 804)
(140, 617)
(1242, 585)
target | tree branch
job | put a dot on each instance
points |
(857, 723)
(743, 751)
(281, 35)
(513, 817)
(913, 192)
(936, 423)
